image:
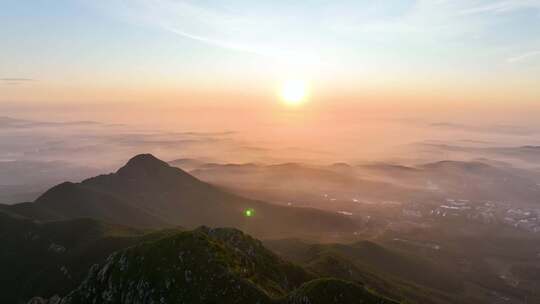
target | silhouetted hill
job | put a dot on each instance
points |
(76, 200)
(147, 192)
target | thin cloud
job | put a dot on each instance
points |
(316, 35)
(502, 7)
(523, 57)
(15, 80)
(276, 36)
(215, 27)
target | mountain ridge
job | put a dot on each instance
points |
(210, 266)
(148, 192)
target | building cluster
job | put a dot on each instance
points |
(487, 212)
(523, 219)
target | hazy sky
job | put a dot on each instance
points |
(380, 75)
(236, 53)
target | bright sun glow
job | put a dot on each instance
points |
(294, 92)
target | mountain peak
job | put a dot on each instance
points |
(191, 267)
(145, 158)
(144, 162)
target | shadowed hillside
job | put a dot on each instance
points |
(52, 258)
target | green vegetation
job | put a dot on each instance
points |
(85, 260)
(333, 291)
(393, 273)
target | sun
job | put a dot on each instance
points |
(294, 92)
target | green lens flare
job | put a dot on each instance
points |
(249, 212)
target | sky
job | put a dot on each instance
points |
(436, 55)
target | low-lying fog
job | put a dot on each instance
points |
(38, 151)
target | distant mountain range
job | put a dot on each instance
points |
(316, 185)
(525, 155)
